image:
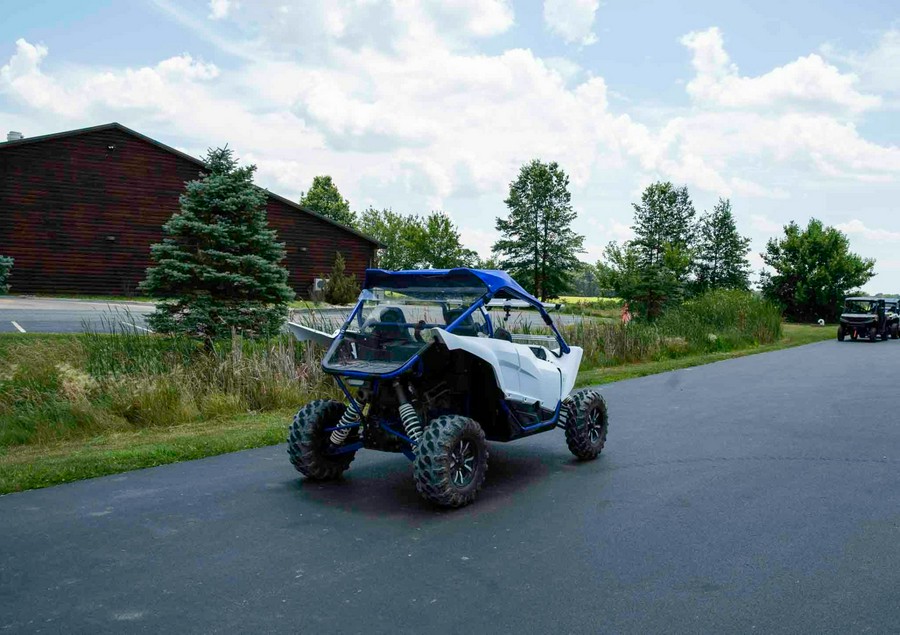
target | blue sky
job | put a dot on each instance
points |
(789, 109)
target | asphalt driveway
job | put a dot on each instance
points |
(760, 493)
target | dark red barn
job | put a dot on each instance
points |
(80, 209)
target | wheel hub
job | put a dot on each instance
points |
(595, 426)
(462, 463)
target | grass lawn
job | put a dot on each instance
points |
(48, 463)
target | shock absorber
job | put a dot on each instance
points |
(351, 415)
(408, 415)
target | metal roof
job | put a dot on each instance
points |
(498, 283)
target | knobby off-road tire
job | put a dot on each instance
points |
(873, 334)
(840, 334)
(895, 331)
(587, 424)
(451, 461)
(308, 441)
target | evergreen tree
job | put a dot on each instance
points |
(340, 288)
(539, 246)
(324, 198)
(813, 269)
(218, 268)
(6, 265)
(651, 271)
(720, 259)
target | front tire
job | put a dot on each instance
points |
(587, 424)
(451, 461)
(840, 334)
(895, 331)
(873, 334)
(308, 441)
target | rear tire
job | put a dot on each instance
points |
(308, 441)
(451, 461)
(587, 424)
(895, 331)
(873, 334)
(840, 334)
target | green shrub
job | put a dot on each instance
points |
(6, 265)
(340, 288)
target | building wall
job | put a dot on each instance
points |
(79, 214)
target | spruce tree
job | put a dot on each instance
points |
(720, 258)
(340, 288)
(218, 268)
(324, 198)
(539, 246)
(6, 265)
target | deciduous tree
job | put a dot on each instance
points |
(812, 270)
(323, 197)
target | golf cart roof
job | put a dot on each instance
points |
(499, 283)
(864, 298)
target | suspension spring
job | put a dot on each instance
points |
(351, 415)
(408, 416)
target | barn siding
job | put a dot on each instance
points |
(79, 216)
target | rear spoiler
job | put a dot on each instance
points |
(308, 334)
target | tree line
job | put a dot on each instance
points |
(219, 267)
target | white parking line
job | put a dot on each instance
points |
(135, 326)
(20, 329)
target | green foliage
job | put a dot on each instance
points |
(55, 388)
(651, 271)
(720, 258)
(813, 269)
(324, 198)
(6, 265)
(218, 268)
(414, 242)
(538, 246)
(340, 288)
(715, 321)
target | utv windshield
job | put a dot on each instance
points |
(860, 306)
(394, 324)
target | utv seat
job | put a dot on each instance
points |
(391, 325)
(502, 334)
(467, 327)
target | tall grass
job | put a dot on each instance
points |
(53, 388)
(715, 321)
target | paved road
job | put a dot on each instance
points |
(50, 315)
(760, 494)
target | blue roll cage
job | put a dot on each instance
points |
(497, 283)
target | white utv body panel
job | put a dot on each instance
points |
(521, 375)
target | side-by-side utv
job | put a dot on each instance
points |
(427, 373)
(867, 318)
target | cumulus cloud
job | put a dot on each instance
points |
(807, 81)
(572, 20)
(857, 228)
(414, 114)
(878, 67)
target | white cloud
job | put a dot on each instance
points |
(858, 228)
(879, 67)
(219, 9)
(808, 81)
(572, 20)
(402, 106)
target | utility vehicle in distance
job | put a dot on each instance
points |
(426, 373)
(864, 317)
